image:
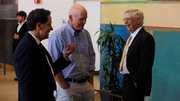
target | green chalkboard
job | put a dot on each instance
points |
(166, 69)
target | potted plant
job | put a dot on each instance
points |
(111, 48)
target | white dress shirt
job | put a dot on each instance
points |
(20, 25)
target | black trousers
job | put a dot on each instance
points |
(129, 92)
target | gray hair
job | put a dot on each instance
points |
(136, 14)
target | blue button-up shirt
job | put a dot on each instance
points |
(83, 59)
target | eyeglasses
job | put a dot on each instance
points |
(127, 19)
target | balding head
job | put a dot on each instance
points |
(77, 8)
(77, 17)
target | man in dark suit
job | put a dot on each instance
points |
(137, 60)
(21, 28)
(20, 31)
(33, 65)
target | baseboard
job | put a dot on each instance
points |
(8, 66)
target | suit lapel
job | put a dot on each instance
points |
(22, 28)
(135, 42)
(16, 29)
(44, 60)
(30, 37)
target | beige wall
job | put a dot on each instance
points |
(161, 14)
(164, 15)
(115, 12)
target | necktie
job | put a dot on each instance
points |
(124, 52)
(43, 50)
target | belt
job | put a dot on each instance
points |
(76, 80)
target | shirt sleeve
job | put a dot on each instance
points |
(91, 53)
(54, 46)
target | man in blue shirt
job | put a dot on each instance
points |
(74, 83)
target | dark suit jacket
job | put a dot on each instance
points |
(23, 30)
(35, 79)
(140, 58)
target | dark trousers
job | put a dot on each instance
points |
(46, 97)
(129, 92)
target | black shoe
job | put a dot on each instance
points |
(15, 79)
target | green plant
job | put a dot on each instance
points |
(111, 47)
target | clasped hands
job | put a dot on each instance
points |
(16, 36)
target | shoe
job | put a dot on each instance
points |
(15, 79)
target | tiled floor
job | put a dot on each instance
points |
(9, 87)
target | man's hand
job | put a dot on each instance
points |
(91, 72)
(65, 85)
(135, 84)
(91, 81)
(60, 79)
(16, 36)
(70, 49)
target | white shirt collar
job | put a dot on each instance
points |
(134, 35)
(36, 39)
(22, 22)
(135, 32)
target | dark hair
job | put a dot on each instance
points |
(21, 13)
(35, 16)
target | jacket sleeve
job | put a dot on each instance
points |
(146, 60)
(60, 64)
